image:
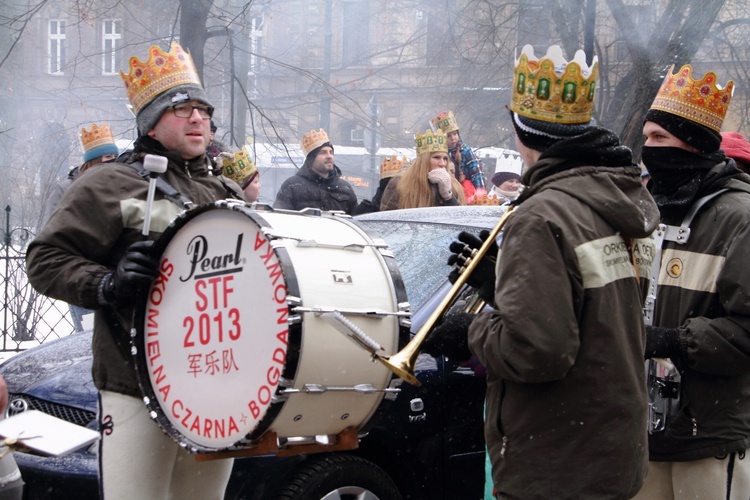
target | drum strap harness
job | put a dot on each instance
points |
(166, 188)
(180, 200)
(662, 376)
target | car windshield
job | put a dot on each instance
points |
(421, 251)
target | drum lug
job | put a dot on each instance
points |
(393, 389)
(279, 398)
(320, 389)
(405, 321)
(280, 395)
(292, 302)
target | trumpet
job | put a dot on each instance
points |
(403, 362)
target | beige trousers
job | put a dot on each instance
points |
(707, 479)
(137, 460)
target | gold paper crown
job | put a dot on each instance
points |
(99, 135)
(431, 143)
(161, 72)
(483, 199)
(552, 89)
(238, 166)
(445, 121)
(391, 166)
(313, 141)
(701, 101)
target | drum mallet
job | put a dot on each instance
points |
(154, 165)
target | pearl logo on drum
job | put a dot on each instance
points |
(214, 265)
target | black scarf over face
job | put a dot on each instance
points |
(678, 177)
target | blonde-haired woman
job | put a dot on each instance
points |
(427, 181)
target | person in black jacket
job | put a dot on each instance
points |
(389, 167)
(699, 379)
(318, 184)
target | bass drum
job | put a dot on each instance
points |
(250, 328)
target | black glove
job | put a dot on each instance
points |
(136, 269)
(450, 337)
(662, 342)
(483, 277)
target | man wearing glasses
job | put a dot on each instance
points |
(92, 253)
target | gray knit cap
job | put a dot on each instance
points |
(150, 113)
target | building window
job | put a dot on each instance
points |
(111, 36)
(356, 33)
(56, 46)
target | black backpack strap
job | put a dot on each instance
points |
(164, 187)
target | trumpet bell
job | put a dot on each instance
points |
(403, 363)
(400, 365)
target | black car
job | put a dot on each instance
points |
(428, 443)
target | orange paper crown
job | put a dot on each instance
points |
(161, 72)
(483, 199)
(431, 143)
(99, 135)
(445, 121)
(701, 101)
(391, 166)
(552, 89)
(239, 166)
(313, 141)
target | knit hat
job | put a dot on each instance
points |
(499, 177)
(312, 154)
(736, 146)
(164, 80)
(539, 135)
(694, 134)
(151, 112)
(97, 142)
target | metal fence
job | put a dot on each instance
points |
(28, 318)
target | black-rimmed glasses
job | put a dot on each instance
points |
(186, 111)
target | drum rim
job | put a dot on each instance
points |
(294, 334)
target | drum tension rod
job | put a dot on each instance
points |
(310, 243)
(370, 313)
(320, 389)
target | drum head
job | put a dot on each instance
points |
(213, 335)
